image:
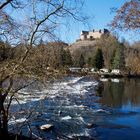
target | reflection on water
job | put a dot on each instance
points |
(123, 100)
(124, 93)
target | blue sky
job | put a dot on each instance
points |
(100, 15)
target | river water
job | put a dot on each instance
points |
(79, 108)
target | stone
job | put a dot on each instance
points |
(46, 127)
(90, 125)
(59, 112)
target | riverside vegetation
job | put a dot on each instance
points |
(107, 52)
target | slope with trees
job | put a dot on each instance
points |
(98, 60)
(128, 19)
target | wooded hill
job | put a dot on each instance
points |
(116, 54)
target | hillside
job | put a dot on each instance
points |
(84, 44)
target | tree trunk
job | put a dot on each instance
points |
(3, 118)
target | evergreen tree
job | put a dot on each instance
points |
(112, 59)
(98, 61)
(65, 57)
(122, 56)
(81, 61)
(118, 61)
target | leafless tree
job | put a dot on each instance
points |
(40, 18)
(128, 16)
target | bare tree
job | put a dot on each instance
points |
(40, 19)
(128, 16)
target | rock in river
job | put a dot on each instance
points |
(90, 125)
(46, 127)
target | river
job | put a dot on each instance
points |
(78, 108)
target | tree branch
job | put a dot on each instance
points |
(5, 4)
(43, 20)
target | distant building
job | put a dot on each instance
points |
(92, 35)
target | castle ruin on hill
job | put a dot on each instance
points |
(92, 35)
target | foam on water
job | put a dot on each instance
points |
(101, 111)
(13, 121)
(81, 119)
(70, 87)
(85, 134)
(63, 101)
(66, 118)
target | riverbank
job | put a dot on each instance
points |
(103, 75)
